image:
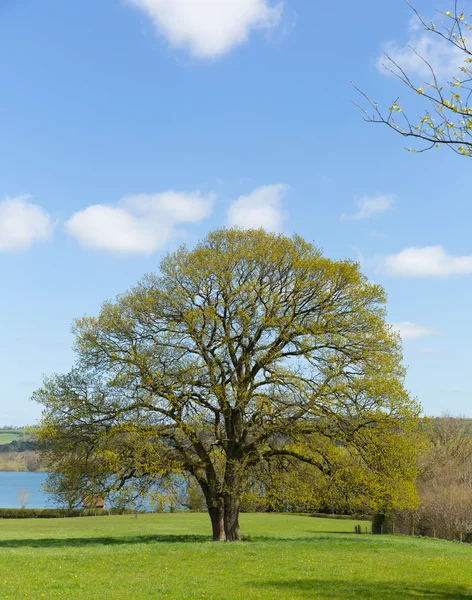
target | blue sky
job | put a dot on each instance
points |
(128, 127)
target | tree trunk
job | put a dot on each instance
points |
(216, 512)
(224, 516)
(217, 523)
(231, 519)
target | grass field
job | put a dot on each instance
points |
(169, 556)
(9, 435)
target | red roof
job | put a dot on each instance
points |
(94, 502)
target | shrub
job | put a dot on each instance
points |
(341, 517)
(47, 513)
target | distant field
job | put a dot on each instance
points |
(168, 556)
(9, 435)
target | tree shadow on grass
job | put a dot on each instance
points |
(102, 541)
(363, 590)
(355, 590)
(325, 537)
(348, 533)
(155, 539)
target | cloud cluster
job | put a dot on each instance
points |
(22, 223)
(412, 331)
(369, 206)
(139, 224)
(422, 48)
(430, 261)
(260, 208)
(209, 28)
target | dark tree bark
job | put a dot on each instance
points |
(231, 519)
(216, 512)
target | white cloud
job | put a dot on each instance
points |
(139, 224)
(369, 206)
(22, 223)
(441, 55)
(430, 261)
(260, 208)
(175, 206)
(209, 28)
(411, 331)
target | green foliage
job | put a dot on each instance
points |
(354, 484)
(344, 518)
(447, 118)
(61, 513)
(18, 445)
(44, 513)
(250, 352)
(193, 498)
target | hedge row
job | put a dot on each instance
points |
(60, 513)
(48, 513)
(342, 517)
(18, 446)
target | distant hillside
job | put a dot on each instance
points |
(16, 439)
(18, 446)
(18, 451)
(14, 435)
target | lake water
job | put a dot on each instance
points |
(11, 482)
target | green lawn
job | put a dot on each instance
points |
(169, 556)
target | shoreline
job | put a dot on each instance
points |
(28, 461)
(22, 471)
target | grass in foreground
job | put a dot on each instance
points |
(169, 556)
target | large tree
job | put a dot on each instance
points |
(446, 116)
(249, 349)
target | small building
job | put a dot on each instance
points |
(94, 502)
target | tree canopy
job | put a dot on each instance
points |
(251, 351)
(446, 118)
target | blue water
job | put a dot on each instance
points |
(11, 482)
